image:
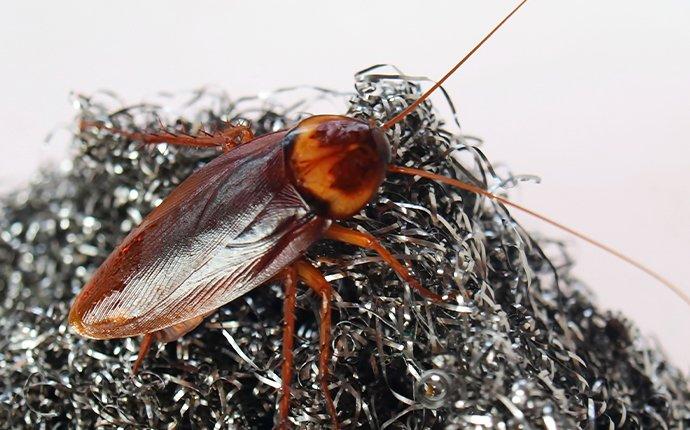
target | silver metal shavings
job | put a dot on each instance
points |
(521, 347)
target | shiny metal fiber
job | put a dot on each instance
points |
(522, 347)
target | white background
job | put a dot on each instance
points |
(593, 96)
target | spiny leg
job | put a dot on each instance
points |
(311, 276)
(365, 240)
(143, 350)
(290, 282)
(226, 139)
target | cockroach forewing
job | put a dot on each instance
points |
(228, 228)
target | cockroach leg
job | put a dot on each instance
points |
(168, 334)
(226, 139)
(365, 240)
(176, 331)
(233, 136)
(289, 276)
(143, 350)
(311, 276)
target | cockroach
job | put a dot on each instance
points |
(246, 218)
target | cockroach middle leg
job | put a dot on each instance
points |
(225, 139)
(290, 283)
(143, 350)
(311, 276)
(365, 240)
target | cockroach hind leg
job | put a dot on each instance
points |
(165, 335)
(365, 240)
(311, 276)
(226, 139)
(176, 331)
(143, 351)
(237, 134)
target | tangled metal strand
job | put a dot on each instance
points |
(522, 346)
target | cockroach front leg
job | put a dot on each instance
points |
(225, 140)
(311, 276)
(365, 240)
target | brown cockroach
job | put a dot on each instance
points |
(246, 218)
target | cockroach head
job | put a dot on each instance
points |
(337, 163)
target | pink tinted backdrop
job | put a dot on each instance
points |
(594, 97)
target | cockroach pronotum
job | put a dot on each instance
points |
(245, 219)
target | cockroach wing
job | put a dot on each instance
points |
(228, 228)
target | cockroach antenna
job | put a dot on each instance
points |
(399, 117)
(474, 189)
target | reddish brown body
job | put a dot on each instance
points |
(233, 225)
(246, 218)
(238, 222)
